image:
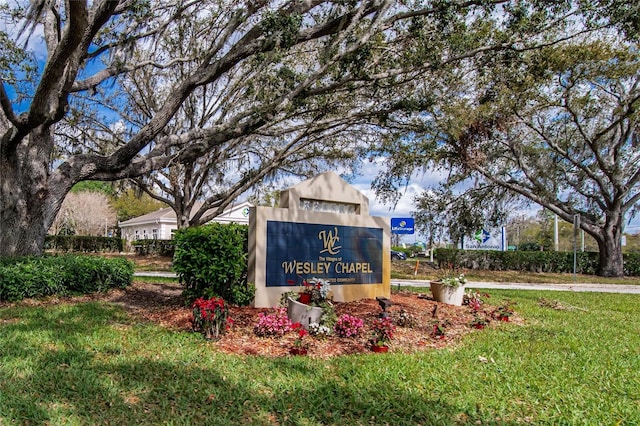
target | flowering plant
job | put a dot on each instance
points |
(503, 312)
(320, 330)
(210, 317)
(453, 281)
(274, 324)
(302, 333)
(438, 331)
(479, 322)
(348, 326)
(473, 299)
(317, 289)
(404, 319)
(451, 278)
(383, 329)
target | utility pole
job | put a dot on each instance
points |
(576, 228)
(556, 245)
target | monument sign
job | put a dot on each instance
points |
(322, 230)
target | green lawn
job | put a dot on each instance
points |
(92, 364)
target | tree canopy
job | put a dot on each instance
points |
(121, 89)
(557, 127)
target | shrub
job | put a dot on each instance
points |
(348, 326)
(632, 264)
(44, 276)
(84, 244)
(159, 247)
(534, 261)
(211, 260)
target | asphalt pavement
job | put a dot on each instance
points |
(578, 287)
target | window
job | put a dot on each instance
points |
(154, 232)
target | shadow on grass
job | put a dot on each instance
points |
(88, 364)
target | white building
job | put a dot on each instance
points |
(161, 224)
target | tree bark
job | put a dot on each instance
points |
(611, 261)
(27, 206)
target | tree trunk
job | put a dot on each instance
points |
(610, 257)
(27, 208)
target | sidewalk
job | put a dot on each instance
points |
(577, 287)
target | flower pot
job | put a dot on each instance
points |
(304, 314)
(380, 349)
(304, 298)
(447, 294)
(298, 351)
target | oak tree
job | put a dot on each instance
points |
(272, 70)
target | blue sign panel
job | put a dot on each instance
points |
(338, 254)
(402, 225)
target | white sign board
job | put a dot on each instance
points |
(486, 239)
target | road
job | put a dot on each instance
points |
(585, 287)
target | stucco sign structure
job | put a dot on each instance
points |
(322, 230)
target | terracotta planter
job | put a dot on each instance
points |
(304, 314)
(446, 294)
(379, 349)
(304, 298)
(298, 351)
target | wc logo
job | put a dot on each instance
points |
(329, 241)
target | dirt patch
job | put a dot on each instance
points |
(162, 304)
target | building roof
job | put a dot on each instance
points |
(167, 215)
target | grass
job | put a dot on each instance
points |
(92, 364)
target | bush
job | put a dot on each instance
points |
(159, 247)
(211, 261)
(534, 261)
(84, 244)
(632, 264)
(29, 277)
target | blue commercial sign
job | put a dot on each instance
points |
(338, 254)
(402, 225)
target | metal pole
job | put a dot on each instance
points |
(576, 227)
(555, 233)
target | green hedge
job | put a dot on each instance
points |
(28, 277)
(211, 260)
(534, 261)
(159, 247)
(83, 244)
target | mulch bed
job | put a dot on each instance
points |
(162, 304)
